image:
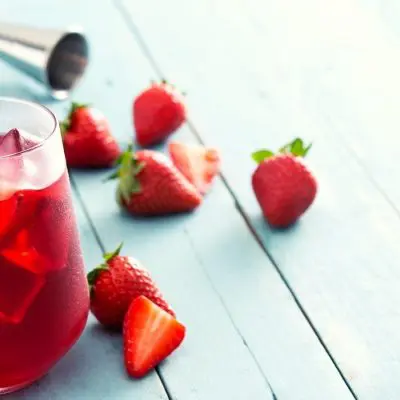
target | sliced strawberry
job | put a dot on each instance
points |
(198, 164)
(150, 336)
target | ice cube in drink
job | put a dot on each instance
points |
(18, 289)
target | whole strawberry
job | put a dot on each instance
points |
(87, 139)
(149, 184)
(115, 284)
(157, 112)
(283, 186)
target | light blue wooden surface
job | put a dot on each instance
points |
(257, 73)
(272, 70)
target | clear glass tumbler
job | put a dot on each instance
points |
(44, 297)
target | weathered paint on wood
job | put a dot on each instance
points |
(259, 73)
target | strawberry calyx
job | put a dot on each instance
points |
(65, 125)
(128, 168)
(296, 148)
(93, 275)
(110, 255)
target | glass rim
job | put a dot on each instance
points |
(38, 106)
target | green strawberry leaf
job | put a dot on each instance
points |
(108, 256)
(296, 148)
(306, 150)
(64, 126)
(75, 106)
(261, 155)
(137, 168)
(118, 161)
(127, 172)
(111, 177)
(92, 275)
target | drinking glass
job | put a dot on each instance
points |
(44, 297)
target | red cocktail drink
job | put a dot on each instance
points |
(44, 298)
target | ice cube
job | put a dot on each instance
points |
(20, 252)
(11, 168)
(40, 241)
(18, 290)
(13, 142)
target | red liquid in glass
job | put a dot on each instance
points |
(44, 298)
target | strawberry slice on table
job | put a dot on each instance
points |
(149, 184)
(199, 164)
(283, 185)
(115, 283)
(158, 111)
(150, 336)
(87, 139)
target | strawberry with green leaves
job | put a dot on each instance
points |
(115, 284)
(158, 111)
(283, 185)
(149, 184)
(150, 336)
(199, 164)
(87, 140)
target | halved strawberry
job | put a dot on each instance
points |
(198, 164)
(150, 336)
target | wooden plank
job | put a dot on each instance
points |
(193, 371)
(97, 355)
(272, 300)
(266, 72)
